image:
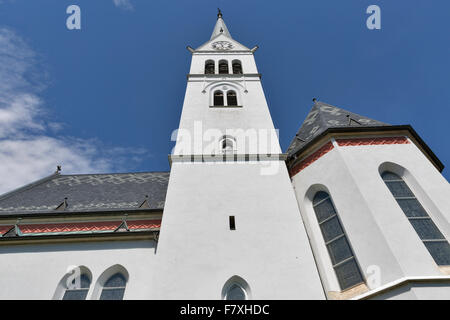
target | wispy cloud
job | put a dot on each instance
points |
(123, 4)
(29, 148)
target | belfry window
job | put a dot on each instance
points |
(218, 98)
(80, 292)
(237, 67)
(231, 98)
(114, 287)
(341, 255)
(209, 67)
(223, 67)
(428, 232)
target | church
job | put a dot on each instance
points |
(354, 209)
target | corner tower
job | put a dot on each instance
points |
(231, 226)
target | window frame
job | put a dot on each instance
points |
(424, 217)
(105, 288)
(327, 243)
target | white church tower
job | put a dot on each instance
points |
(231, 226)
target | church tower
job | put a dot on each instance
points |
(231, 226)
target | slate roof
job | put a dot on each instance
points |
(324, 116)
(88, 192)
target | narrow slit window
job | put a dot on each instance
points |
(341, 255)
(232, 223)
(428, 232)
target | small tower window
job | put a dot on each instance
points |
(209, 67)
(227, 145)
(218, 98)
(232, 98)
(223, 67)
(232, 223)
(427, 231)
(341, 255)
(237, 67)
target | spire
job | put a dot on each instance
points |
(324, 116)
(220, 27)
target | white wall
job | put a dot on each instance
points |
(34, 271)
(377, 229)
(269, 249)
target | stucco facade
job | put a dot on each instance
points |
(236, 218)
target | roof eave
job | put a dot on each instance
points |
(62, 214)
(438, 164)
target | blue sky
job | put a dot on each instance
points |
(82, 98)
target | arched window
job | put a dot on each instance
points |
(341, 255)
(237, 67)
(78, 291)
(209, 67)
(218, 98)
(236, 288)
(428, 232)
(235, 292)
(227, 144)
(114, 287)
(231, 98)
(223, 67)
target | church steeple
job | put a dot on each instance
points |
(220, 27)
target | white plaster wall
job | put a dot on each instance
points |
(34, 271)
(254, 116)
(378, 230)
(198, 253)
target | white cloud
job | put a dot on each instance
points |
(123, 4)
(27, 150)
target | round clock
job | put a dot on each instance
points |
(222, 45)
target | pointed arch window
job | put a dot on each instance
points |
(428, 232)
(341, 255)
(79, 293)
(218, 98)
(210, 67)
(237, 67)
(236, 288)
(232, 98)
(223, 67)
(236, 292)
(114, 287)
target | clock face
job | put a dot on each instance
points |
(222, 45)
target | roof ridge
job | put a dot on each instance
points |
(28, 186)
(111, 173)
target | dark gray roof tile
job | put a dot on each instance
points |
(93, 192)
(324, 116)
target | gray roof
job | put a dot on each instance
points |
(324, 116)
(88, 192)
